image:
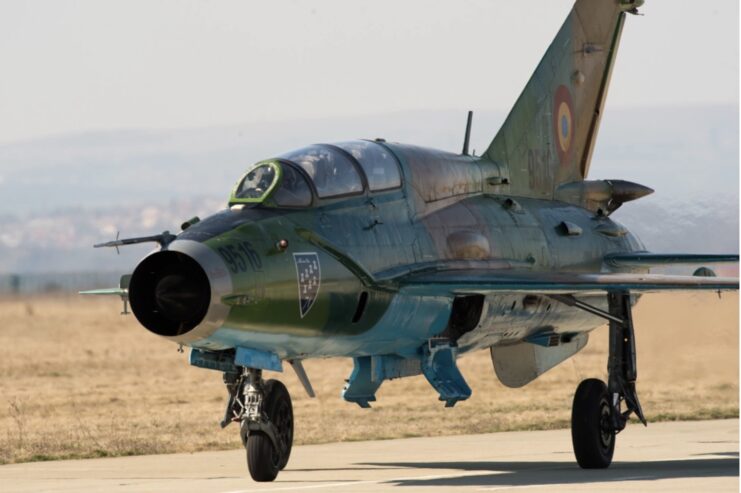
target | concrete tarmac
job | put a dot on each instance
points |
(682, 456)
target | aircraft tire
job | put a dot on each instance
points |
(591, 430)
(263, 461)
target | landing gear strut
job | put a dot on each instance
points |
(265, 413)
(597, 415)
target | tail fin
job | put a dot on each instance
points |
(548, 136)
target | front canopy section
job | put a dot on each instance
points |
(272, 183)
(255, 186)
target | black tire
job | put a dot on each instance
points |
(592, 433)
(263, 460)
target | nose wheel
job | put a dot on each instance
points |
(265, 413)
(269, 443)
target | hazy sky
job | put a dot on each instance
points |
(85, 65)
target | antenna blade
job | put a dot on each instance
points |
(467, 138)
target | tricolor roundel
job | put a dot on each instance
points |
(563, 122)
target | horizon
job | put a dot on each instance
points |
(120, 167)
(66, 134)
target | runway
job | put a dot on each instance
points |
(681, 456)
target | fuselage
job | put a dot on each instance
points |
(316, 280)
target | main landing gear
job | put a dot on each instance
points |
(600, 411)
(265, 413)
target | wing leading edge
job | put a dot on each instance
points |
(466, 281)
(648, 259)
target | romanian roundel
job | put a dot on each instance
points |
(563, 122)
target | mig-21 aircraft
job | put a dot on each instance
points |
(406, 258)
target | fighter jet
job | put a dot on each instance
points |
(406, 258)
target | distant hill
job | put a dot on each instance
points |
(61, 194)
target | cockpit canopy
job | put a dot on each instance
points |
(322, 170)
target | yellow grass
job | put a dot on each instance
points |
(78, 380)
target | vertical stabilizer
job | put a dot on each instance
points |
(548, 136)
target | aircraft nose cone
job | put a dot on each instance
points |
(178, 297)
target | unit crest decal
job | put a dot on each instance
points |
(308, 275)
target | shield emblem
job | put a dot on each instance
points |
(308, 275)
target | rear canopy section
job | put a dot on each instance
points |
(548, 136)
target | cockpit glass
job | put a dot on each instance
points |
(293, 190)
(380, 166)
(332, 172)
(256, 183)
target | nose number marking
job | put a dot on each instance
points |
(238, 255)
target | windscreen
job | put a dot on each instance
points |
(256, 183)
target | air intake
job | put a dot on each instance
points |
(169, 293)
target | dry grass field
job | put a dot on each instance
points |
(78, 380)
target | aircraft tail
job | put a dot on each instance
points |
(548, 136)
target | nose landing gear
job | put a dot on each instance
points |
(265, 413)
